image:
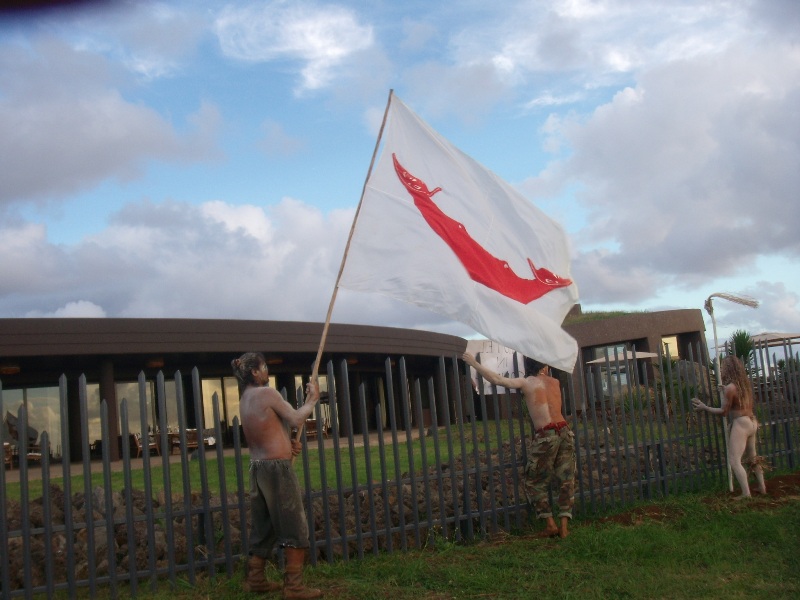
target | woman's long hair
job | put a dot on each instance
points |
(732, 371)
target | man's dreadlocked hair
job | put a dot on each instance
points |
(732, 371)
(243, 367)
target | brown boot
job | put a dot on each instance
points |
(293, 588)
(256, 581)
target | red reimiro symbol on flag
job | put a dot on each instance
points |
(482, 267)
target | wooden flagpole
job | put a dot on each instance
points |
(325, 327)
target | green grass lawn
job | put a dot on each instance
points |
(487, 437)
(691, 546)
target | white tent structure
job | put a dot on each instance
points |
(628, 356)
(771, 338)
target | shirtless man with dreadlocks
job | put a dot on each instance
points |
(737, 405)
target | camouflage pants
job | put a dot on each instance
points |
(551, 456)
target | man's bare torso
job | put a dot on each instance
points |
(265, 432)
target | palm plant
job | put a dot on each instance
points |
(741, 344)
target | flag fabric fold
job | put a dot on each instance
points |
(438, 230)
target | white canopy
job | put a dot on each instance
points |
(771, 338)
(622, 358)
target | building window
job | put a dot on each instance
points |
(669, 346)
(44, 414)
(129, 391)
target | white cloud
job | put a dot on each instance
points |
(320, 37)
(77, 309)
(688, 174)
(672, 125)
(64, 128)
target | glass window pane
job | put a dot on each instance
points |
(670, 346)
(231, 399)
(211, 387)
(130, 393)
(171, 403)
(12, 400)
(43, 415)
(93, 411)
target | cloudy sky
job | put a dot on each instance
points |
(197, 159)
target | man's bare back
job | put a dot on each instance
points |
(266, 435)
(542, 393)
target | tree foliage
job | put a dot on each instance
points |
(741, 344)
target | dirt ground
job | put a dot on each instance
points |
(781, 489)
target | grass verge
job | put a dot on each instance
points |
(690, 546)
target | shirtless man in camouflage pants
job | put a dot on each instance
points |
(552, 452)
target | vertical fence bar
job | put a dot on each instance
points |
(129, 518)
(683, 401)
(333, 399)
(607, 443)
(669, 426)
(406, 402)
(66, 478)
(631, 393)
(779, 416)
(501, 466)
(790, 376)
(206, 526)
(578, 489)
(148, 479)
(713, 395)
(348, 417)
(240, 486)
(223, 484)
(87, 483)
(768, 444)
(323, 469)
(426, 486)
(398, 480)
(697, 431)
(108, 508)
(309, 503)
(437, 456)
(783, 430)
(164, 450)
(387, 513)
(591, 390)
(449, 437)
(188, 513)
(653, 451)
(47, 514)
(476, 458)
(620, 430)
(514, 464)
(467, 504)
(22, 428)
(362, 399)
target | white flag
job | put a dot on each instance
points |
(439, 230)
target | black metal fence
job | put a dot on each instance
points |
(449, 469)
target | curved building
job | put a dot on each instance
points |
(121, 359)
(113, 354)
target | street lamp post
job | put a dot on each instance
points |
(709, 306)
